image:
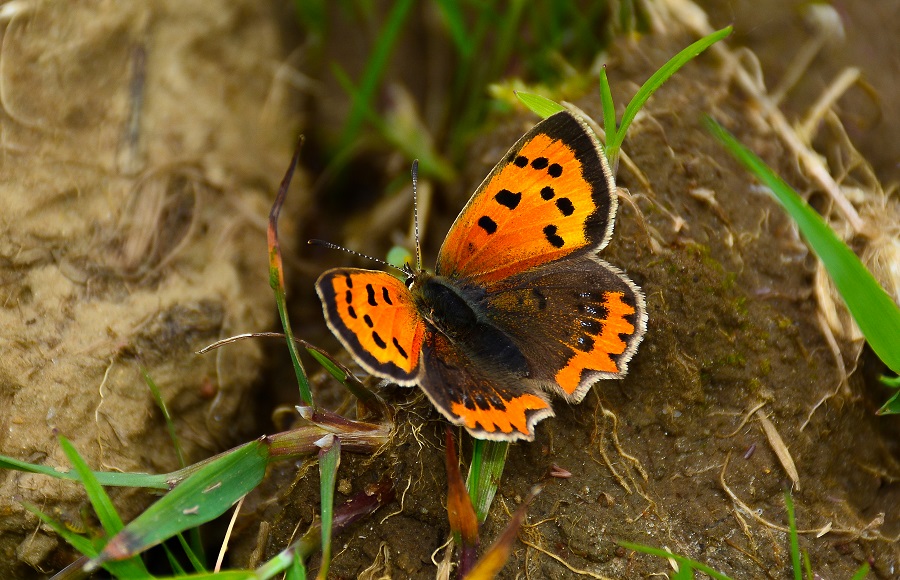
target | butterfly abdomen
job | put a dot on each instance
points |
(448, 310)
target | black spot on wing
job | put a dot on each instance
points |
(547, 193)
(399, 348)
(487, 224)
(370, 292)
(386, 295)
(584, 343)
(555, 170)
(552, 237)
(378, 340)
(368, 320)
(565, 207)
(521, 161)
(540, 163)
(508, 199)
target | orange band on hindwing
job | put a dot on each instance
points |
(599, 355)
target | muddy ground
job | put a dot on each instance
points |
(676, 454)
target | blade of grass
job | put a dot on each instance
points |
(161, 404)
(196, 540)
(155, 481)
(873, 310)
(103, 506)
(861, 573)
(795, 541)
(609, 108)
(191, 552)
(614, 139)
(456, 24)
(539, 105)
(682, 561)
(203, 496)
(413, 142)
(374, 70)
(131, 568)
(488, 460)
(329, 460)
(276, 277)
(297, 570)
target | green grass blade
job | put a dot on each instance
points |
(795, 541)
(103, 506)
(539, 105)
(614, 140)
(374, 70)
(861, 573)
(201, 497)
(154, 481)
(131, 568)
(609, 108)
(195, 556)
(80, 543)
(329, 460)
(170, 425)
(488, 459)
(297, 570)
(892, 406)
(682, 561)
(276, 276)
(456, 24)
(874, 311)
(684, 573)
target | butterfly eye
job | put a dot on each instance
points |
(410, 281)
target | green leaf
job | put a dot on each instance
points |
(488, 460)
(795, 542)
(161, 404)
(103, 506)
(131, 568)
(541, 106)
(201, 497)
(614, 140)
(374, 70)
(861, 573)
(874, 311)
(329, 460)
(682, 561)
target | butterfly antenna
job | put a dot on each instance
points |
(331, 246)
(415, 180)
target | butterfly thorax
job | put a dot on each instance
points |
(457, 312)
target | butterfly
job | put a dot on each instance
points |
(519, 306)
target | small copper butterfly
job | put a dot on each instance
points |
(519, 305)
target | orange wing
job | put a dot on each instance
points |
(553, 194)
(373, 314)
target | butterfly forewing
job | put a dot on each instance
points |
(552, 195)
(373, 314)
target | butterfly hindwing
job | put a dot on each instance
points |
(575, 321)
(488, 402)
(552, 195)
(374, 315)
